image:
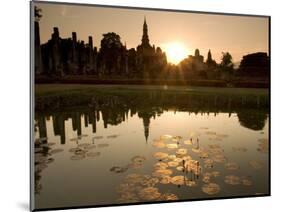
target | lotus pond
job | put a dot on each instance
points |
(112, 145)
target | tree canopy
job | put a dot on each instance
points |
(226, 61)
(37, 13)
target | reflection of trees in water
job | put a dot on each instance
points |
(252, 119)
(115, 108)
(42, 157)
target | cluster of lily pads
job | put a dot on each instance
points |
(263, 145)
(43, 151)
(185, 163)
(139, 188)
(135, 163)
(87, 150)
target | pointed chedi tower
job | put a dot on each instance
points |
(146, 57)
(145, 39)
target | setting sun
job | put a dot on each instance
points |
(175, 52)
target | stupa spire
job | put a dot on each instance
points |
(145, 39)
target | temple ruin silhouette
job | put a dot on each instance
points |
(69, 56)
(60, 57)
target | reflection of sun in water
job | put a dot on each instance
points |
(175, 52)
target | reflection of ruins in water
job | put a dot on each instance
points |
(251, 111)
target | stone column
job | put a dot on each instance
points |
(91, 55)
(56, 53)
(37, 49)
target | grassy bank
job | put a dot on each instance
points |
(238, 83)
(73, 89)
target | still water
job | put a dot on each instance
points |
(149, 146)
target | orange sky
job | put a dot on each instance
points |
(237, 34)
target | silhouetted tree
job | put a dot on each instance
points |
(226, 66)
(110, 51)
(255, 64)
(37, 43)
(111, 41)
(226, 62)
(37, 13)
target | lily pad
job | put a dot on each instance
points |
(112, 136)
(206, 178)
(118, 169)
(208, 163)
(84, 145)
(160, 165)
(89, 147)
(178, 180)
(74, 139)
(159, 144)
(231, 166)
(239, 149)
(149, 181)
(188, 142)
(149, 193)
(203, 154)
(214, 146)
(232, 180)
(55, 151)
(172, 146)
(134, 178)
(166, 137)
(190, 183)
(97, 137)
(246, 181)
(180, 168)
(179, 160)
(79, 151)
(181, 152)
(50, 160)
(172, 157)
(263, 145)
(138, 159)
(215, 173)
(162, 172)
(169, 197)
(211, 188)
(176, 138)
(77, 157)
(103, 145)
(256, 164)
(186, 158)
(73, 149)
(195, 150)
(160, 155)
(219, 158)
(173, 163)
(93, 154)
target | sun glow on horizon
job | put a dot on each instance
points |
(175, 52)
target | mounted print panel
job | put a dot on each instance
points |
(139, 105)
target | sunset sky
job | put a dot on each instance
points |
(239, 35)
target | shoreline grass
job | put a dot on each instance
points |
(86, 89)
